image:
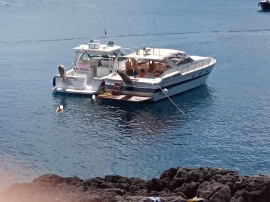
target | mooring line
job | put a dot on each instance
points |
(170, 99)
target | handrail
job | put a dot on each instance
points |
(197, 65)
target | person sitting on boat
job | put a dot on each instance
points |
(135, 73)
(134, 63)
(152, 66)
(129, 68)
(60, 109)
(142, 74)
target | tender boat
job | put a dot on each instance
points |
(265, 5)
(93, 63)
(153, 74)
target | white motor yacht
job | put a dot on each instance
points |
(93, 63)
(156, 73)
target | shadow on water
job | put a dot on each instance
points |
(125, 116)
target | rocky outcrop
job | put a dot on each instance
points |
(174, 185)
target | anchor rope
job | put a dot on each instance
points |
(170, 99)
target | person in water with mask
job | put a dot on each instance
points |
(60, 109)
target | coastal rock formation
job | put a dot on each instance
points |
(174, 185)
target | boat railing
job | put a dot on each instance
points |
(196, 65)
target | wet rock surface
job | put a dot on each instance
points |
(174, 185)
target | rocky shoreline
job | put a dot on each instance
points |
(174, 185)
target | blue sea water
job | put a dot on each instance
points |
(226, 121)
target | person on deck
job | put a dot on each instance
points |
(129, 68)
(134, 65)
(152, 66)
(142, 74)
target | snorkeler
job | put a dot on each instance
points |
(60, 109)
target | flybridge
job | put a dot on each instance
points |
(96, 47)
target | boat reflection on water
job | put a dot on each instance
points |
(145, 118)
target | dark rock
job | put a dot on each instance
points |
(79, 184)
(207, 189)
(124, 180)
(122, 186)
(107, 185)
(52, 178)
(166, 193)
(176, 192)
(72, 180)
(111, 178)
(134, 199)
(228, 179)
(189, 189)
(153, 193)
(169, 174)
(142, 184)
(182, 173)
(154, 185)
(96, 182)
(174, 185)
(173, 199)
(256, 188)
(141, 192)
(185, 175)
(205, 173)
(120, 192)
(134, 188)
(222, 195)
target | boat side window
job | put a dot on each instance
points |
(186, 60)
(85, 56)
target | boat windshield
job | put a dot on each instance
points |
(88, 56)
(120, 55)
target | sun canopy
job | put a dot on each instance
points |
(154, 54)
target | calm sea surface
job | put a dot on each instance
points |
(226, 122)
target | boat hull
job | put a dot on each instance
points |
(169, 86)
(265, 6)
(74, 91)
(77, 85)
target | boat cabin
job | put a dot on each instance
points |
(98, 59)
(152, 62)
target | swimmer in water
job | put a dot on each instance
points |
(60, 109)
(93, 98)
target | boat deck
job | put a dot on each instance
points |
(126, 98)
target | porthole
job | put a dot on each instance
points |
(193, 76)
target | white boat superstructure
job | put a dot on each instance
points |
(154, 74)
(93, 63)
